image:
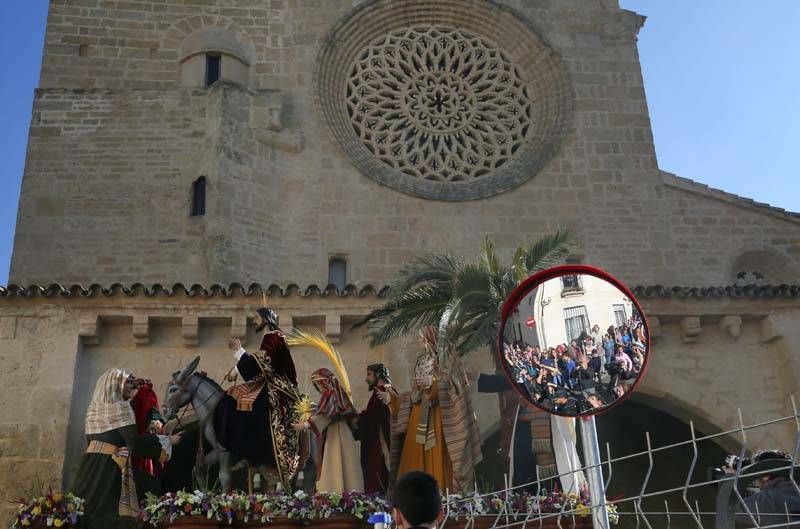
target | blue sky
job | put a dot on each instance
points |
(720, 75)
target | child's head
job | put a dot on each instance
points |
(416, 500)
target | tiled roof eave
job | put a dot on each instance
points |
(691, 186)
(77, 291)
(730, 292)
(196, 290)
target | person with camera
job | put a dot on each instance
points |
(621, 367)
(775, 503)
(564, 403)
(778, 499)
(583, 377)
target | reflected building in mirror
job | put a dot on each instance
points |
(565, 308)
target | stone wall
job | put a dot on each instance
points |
(117, 138)
(100, 194)
(710, 357)
(706, 377)
(53, 352)
(38, 347)
(115, 143)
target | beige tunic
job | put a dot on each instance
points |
(341, 466)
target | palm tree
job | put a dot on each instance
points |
(461, 297)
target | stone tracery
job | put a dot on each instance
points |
(434, 99)
(438, 103)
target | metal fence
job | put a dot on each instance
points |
(668, 507)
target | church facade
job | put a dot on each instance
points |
(187, 156)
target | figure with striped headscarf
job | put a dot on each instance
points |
(105, 476)
(339, 467)
(435, 429)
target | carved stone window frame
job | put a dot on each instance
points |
(539, 68)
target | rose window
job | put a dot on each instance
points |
(444, 110)
(438, 103)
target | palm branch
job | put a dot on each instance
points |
(417, 298)
(461, 298)
(318, 341)
(413, 309)
(437, 269)
(548, 251)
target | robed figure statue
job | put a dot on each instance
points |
(332, 423)
(375, 428)
(435, 429)
(253, 420)
(105, 477)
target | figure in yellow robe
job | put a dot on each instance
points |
(425, 446)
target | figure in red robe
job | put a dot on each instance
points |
(148, 473)
(148, 420)
(374, 430)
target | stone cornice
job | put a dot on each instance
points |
(77, 291)
(178, 289)
(729, 292)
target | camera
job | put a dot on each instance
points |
(717, 474)
(733, 461)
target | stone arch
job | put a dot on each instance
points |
(681, 409)
(622, 429)
(194, 36)
(761, 267)
(213, 38)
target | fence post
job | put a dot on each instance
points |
(594, 472)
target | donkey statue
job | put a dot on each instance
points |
(197, 389)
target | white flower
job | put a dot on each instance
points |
(300, 495)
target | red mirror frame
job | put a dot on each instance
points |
(524, 288)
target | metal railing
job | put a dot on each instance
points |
(680, 508)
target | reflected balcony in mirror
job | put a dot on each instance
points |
(571, 285)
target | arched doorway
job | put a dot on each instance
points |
(624, 429)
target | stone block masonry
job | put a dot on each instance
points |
(116, 142)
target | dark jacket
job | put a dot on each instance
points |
(772, 502)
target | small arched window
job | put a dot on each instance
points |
(213, 53)
(750, 277)
(199, 197)
(337, 272)
(762, 267)
(213, 68)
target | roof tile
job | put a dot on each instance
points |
(273, 290)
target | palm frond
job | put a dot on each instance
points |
(473, 303)
(433, 268)
(317, 340)
(548, 251)
(502, 284)
(444, 341)
(489, 257)
(414, 308)
(461, 299)
(476, 334)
